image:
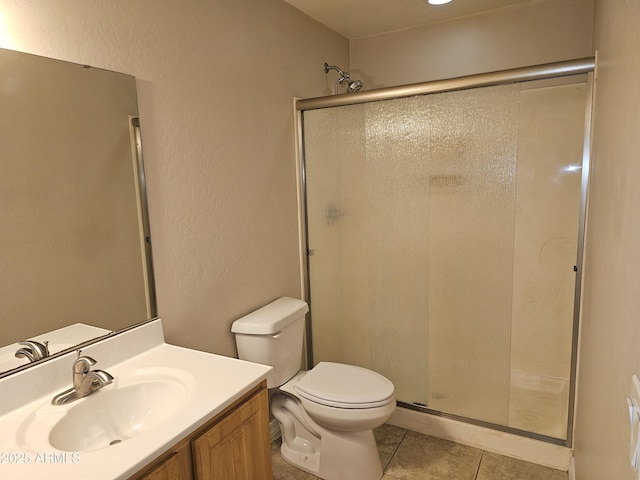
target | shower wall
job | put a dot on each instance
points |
(443, 232)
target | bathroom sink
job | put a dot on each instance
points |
(160, 395)
(130, 406)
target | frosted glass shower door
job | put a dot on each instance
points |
(442, 232)
(397, 193)
(368, 229)
(472, 159)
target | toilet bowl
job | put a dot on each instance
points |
(343, 397)
(327, 414)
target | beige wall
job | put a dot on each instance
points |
(216, 81)
(537, 32)
(610, 338)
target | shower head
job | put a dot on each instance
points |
(352, 85)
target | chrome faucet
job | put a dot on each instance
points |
(85, 381)
(33, 350)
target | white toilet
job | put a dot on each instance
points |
(327, 414)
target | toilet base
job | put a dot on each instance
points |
(309, 462)
(341, 459)
(322, 452)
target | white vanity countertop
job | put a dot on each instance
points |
(215, 382)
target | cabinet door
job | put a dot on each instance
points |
(237, 447)
(176, 466)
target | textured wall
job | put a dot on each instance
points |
(537, 32)
(216, 81)
(610, 334)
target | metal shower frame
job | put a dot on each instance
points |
(502, 77)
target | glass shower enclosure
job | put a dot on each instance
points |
(444, 239)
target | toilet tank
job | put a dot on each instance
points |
(273, 335)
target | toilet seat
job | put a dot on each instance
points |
(345, 386)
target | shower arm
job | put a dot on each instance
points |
(340, 82)
(343, 76)
(328, 67)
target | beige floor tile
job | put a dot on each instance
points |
(413, 456)
(421, 457)
(497, 467)
(388, 439)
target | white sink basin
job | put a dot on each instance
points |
(116, 415)
(118, 412)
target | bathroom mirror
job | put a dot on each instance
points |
(75, 254)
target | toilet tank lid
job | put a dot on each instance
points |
(272, 317)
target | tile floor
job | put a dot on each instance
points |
(408, 455)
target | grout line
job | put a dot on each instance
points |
(479, 463)
(395, 450)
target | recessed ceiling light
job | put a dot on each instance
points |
(438, 2)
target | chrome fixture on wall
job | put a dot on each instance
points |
(353, 86)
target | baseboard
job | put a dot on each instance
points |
(516, 446)
(572, 469)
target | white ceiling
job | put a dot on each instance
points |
(359, 18)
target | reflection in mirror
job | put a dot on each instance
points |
(74, 245)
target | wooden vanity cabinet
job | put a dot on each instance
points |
(234, 445)
(175, 464)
